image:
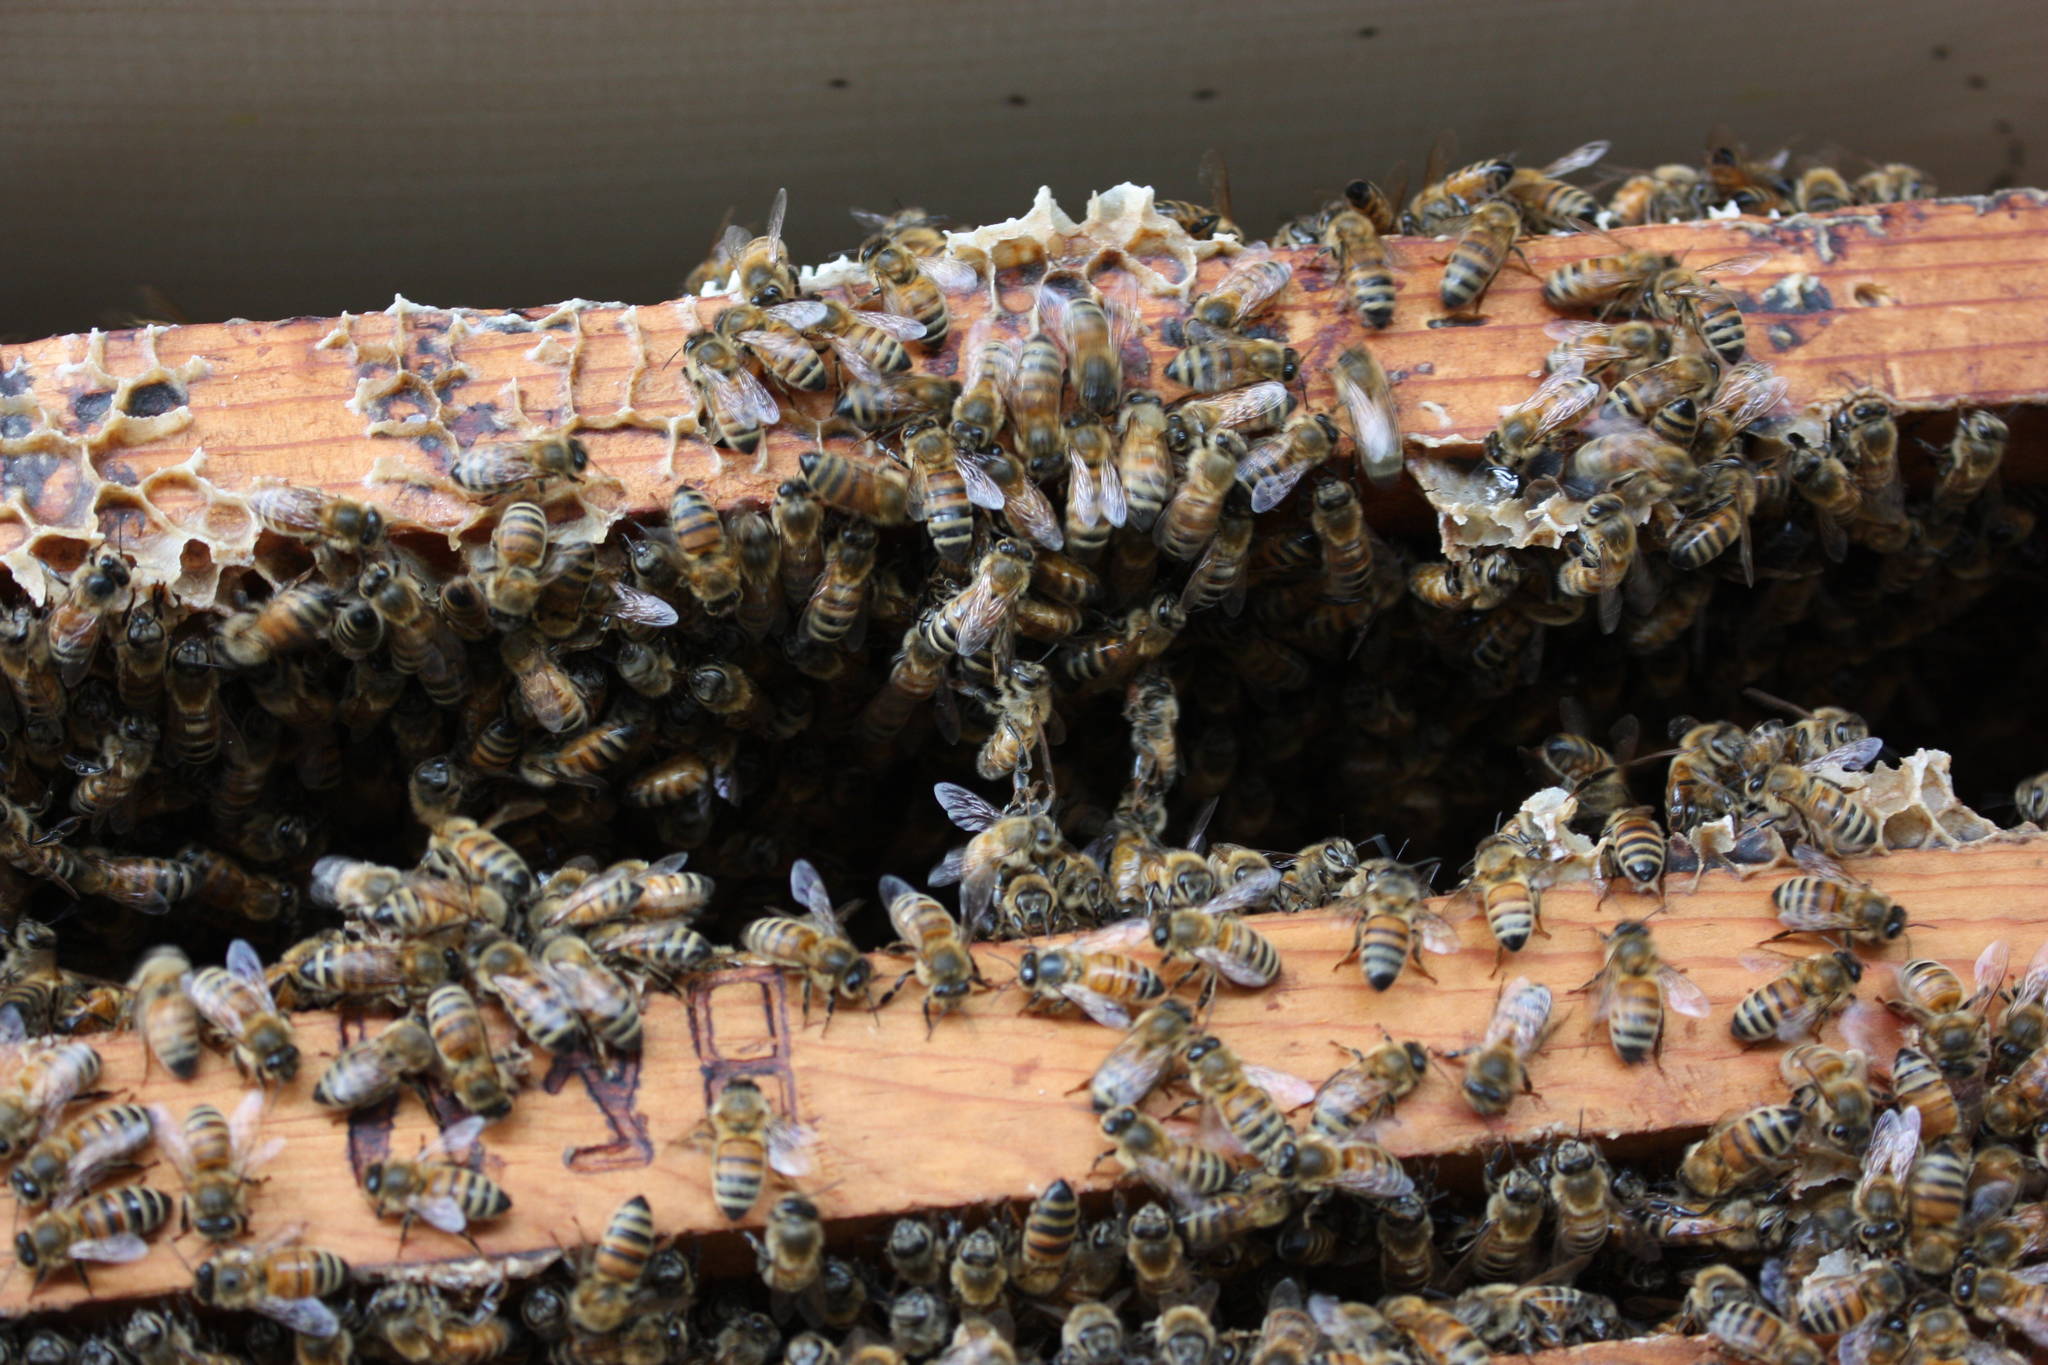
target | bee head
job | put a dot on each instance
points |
(857, 976)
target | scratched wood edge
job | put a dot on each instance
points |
(981, 1113)
(272, 403)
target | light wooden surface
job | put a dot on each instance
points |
(1644, 1351)
(983, 1111)
(1940, 303)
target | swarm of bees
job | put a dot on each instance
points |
(556, 773)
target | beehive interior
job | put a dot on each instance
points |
(1384, 719)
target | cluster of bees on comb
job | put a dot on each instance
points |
(560, 772)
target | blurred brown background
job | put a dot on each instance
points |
(279, 157)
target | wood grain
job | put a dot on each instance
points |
(1941, 303)
(984, 1110)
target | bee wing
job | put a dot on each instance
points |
(789, 1147)
(802, 314)
(1081, 496)
(1256, 287)
(775, 215)
(1578, 158)
(13, 1031)
(246, 1121)
(118, 1249)
(307, 1317)
(859, 366)
(438, 1211)
(449, 1142)
(739, 398)
(629, 603)
(1763, 960)
(1116, 509)
(1369, 401)
(1894, 1142)
(1270, 477)
(1749, 391)
(1248, 894)
(1990, 970)
(947, 870)
(1603, 991)
(1288, 1090)
(1125, 933)
(1572, 399)
(779, 345)
(1435, 933)
(1097, 1006)
(1735, 265)
(982, 490)
(1682, 994)
(1377, 1182)
(1850, 757)
(1237, 407)
(243, 962)
(1031, 511)
(170, 1135)
(949, 273)
(2034, 985)
(979, 621)
(1799, 1019)
(809, 888)
(732, 244)
(895, 324)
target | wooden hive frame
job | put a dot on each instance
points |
(169, 425)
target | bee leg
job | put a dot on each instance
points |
(890, 994)
(929, 1022)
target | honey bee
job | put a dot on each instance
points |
(1604, 548)
(538, 1006)
(1249, 1102)
(606, 1286)
(1828, 905)
(161, 1011)
(1954, 1030)
(293, 618)
(1218, 941)
(217, 1157)
(1936, 1194)
(545, 689)
(1109, 987)
(519, 544)
(139, 657)
(74, 1157)
(1190, 519)
(2023, 1025)
(76, 618)
(1241, 294)
(1497, 1069)
(1835, 1086)
(1564, 396)
(1144, 463)
(790, 1253)
(1482, 247)
(1204, 222)
(1171, 1164)
(815, 946)
(1500, 880)
(943, 964)
(838, 606)
(915, 285)
(1805, 992)
(1138, 1062)
(608, 1007)
(370, 1072)
(157, 1339)
(1357, 1096)
(775, 337)
(338, 525)
(224, 884)
(506, 468)
(1352, 240)
(1634, 988)
(1395, 924)
(1437, 1333)
(1880, 1199)
(1549, 204)
(748, 1139)
(1408, 1258)
(236, 1001)
(737, 407)
(439, 1191)
(1967, 465)
(1826, 484)
(470, 1068)
(1740, 1150)
(284, 1283)
(1354, 1165)
(1002, 843)
(1273, 466)
(1219, 577)
(1445, 198)
(941, 495)
(1750, 1331)
(108, 1227)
